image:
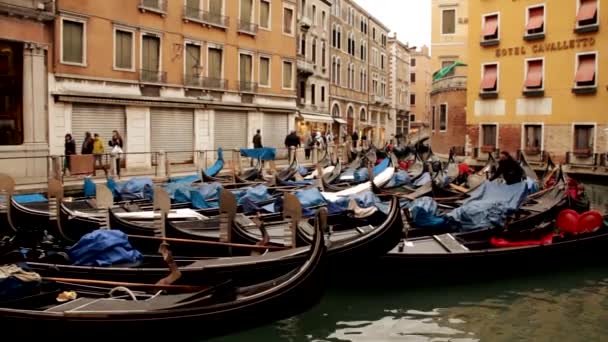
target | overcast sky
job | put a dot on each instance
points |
(411, 19)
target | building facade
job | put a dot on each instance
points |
(536, 79)
(450, 32)
(399, 65)
(379, 96)
(420, 78)
(313, 67)
(174, 76)
(448, 114)
(25, 60)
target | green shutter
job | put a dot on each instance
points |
(264, 71)
(124, 44)
(193, 59)
(246, 11)
(73, 41)
(245, 68)
(264, 14)
(215, 7)
(150, 53)
(215, 64)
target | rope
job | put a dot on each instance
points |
(124, 289)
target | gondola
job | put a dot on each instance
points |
(216, 308)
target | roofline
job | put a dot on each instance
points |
(369, 16)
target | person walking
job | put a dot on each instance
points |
(98, 152)
(355, 138)
(87, 144)
(116, 143)
(310, 142)
(69, 150)
(257, 139)
(292, 141)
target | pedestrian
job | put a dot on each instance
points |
(509, 169)
(98, 152)
(257, 139)
(320, 141)
(87, 144)
(364, 140)
(116, 143)
(69, 150)
(310, 142)
(292, 142)
(355, 138)
(330, 138)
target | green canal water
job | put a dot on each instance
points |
(571, 305)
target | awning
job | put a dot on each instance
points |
(534, 78)
(491, 26)
(340, 121)
(587, 10)
(316, 118)
(489, 77)
(536, 18)
(586, 69)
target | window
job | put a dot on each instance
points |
(448, 21)
(433, 118)
(322, 94)
(287, 75)
(339, 38)
(352, 76)
(192, 57)
(533, 137)
(413, 99)
(583, 139)
(374, 33)
(303, 92)
(489, 82)
(314, 15)
(363, 51)
(214, 63)
(123, 50)
(302, 44)
(488, 133)
(412, 117)
(535, 21)
(323, 54)
(382, 61)
(323, 20)
(338, 72)
(443, 117)
(314, 51)
(11, 90)
(447, 64)
(264, 71)
(73, 42)
(245, 70)
(265, 14)
(586, 70)
(287, 20)
(334, 36)
(335, 111)
(362, 115)
(490, 27)
(150, 56)
(246, 11)
(334, 66)
(413, 77)
(313, 95)
(192, 9)
(587, 13)
(534, 74)
(413, 62)
(348, 80)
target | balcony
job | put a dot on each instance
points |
(155, 6)
(449, 84)
(152, 76)
(378, 99)
(246, 27)
(248, 87)
(305, 68)
(36, 9)
(198, 81)
(305, 22)
(206, 18)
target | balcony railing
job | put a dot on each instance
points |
(248, 87)
(248, 28)
(199, 81)
(305, 68)
(157, 6)
(152, 76)
(205, 17)
(40, 10)
(305, 22)
(449, 83)
(378, 99)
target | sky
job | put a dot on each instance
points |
(411, 19)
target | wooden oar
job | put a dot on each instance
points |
(202, 242)
(185, 288)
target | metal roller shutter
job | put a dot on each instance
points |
(230, 130)
(274, 130)
(173, 132)
(100, 119)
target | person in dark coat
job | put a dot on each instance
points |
(355, 138)
(87, 144)
(509, 169)
(69, 150)
(257, 139)
(292, 140)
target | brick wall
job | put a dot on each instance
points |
(509, 138)
(455, 134)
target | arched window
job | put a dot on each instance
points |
(323, 53)
(338, 72)
(314, 51)
(348, 76)
(339, 38)
(333, 69)
(334, 36)
(335, 111)
(363, 114)
(351, 112)
(351, 83)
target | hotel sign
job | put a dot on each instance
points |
(546, 47)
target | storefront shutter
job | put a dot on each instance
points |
(173, 132)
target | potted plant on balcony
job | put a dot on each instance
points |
(488, 148)
(532, 150)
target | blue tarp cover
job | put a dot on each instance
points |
(265, 153)
(30, 198)
(104, 248)
(178, 192)
(424, 213)
(89, 187)
(400, 178)
(256, 194)
(310, 198)
(218, 165)
(489, 205)
(302, 171)
(185, 179)
(206, 196)
(362, 175)
(134, 189)
(425, 178)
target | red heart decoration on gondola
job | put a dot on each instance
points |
(571, 222)
(567, 221)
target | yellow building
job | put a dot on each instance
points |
(450, 32)
(174, 76)
(535, 78)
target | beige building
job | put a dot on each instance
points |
(379, 96)
(420, 86)
(313, 67)
(399, 64)
(25, 59)
(449, 36)
(174, 76)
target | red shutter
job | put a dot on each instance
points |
(587, 10)
(490, 74)
(535, 18)
(534, 78)
(586, 69)
(490, 26)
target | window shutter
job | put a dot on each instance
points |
(264, 14)
(215, 64)
(264, 71)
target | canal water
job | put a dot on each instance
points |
(571, 305)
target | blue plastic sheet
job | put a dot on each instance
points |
(134, 189)
(489, 205)
(256, 194)
(29, 198)
(425, 178)
(532, 185)
(89, 187)
(178, 192)
(206, 196)
(400, 178)
(424, 213)
(310, 198)
(185, 179)
(104, 248)
(265, 153)
(218, 165)
(302, 170)
(361, 175)
(381, 167)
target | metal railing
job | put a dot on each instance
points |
(247, 27)
(248, 87)
(206, 17)
(41, 10)
(153, 5)
(205, 82)
(152, 76)
(583, 159)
